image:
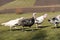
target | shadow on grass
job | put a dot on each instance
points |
(55, 27)
(25, 29)
(58, 27)
(58, 36)
(8, 30)
(1, 39)
(44, 26)
(40, 35)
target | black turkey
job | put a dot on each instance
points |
(27, 22)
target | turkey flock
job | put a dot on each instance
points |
(29, 22)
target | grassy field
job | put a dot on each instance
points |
(19, 4)
(46, 33)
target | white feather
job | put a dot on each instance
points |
(12, 23)
(40, 19)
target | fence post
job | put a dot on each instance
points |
(19, 11)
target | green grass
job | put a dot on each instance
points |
(47, 33)
(19, 4)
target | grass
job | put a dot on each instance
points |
(47, 33)
(19, 4)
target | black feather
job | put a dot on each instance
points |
(54, 19)
(27, 22)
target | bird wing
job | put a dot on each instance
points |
(39, 19)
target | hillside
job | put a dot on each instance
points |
(46, 32)
(31, 6)
(47, 2)
(3, 2)
(18, 3)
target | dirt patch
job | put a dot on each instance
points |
(26, 10)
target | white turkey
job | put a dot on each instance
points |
(12, 23)
(40, 19)
(55, 20)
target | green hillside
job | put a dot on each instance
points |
(48, 32)
(45, 33)
(18, 3)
